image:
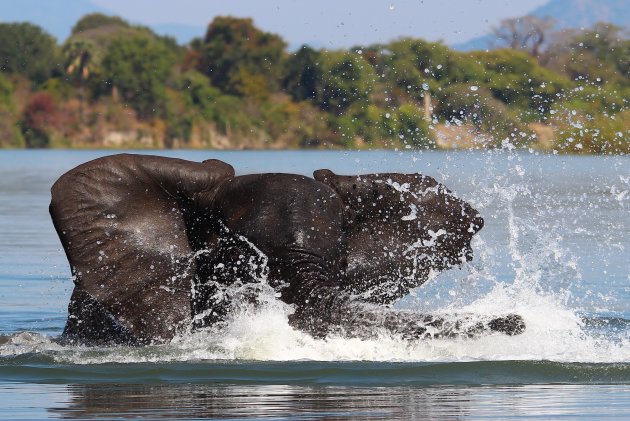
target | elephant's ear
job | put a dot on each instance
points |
(126, 223)
(399, 228)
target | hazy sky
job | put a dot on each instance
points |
(336, 23)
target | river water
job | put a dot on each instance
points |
(555, 248)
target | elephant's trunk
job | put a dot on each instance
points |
(313, 285)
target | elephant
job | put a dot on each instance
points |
(159, 246)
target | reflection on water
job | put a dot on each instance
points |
(107, 401)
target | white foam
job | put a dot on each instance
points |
(553, 332)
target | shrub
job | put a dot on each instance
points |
(600, 134)
(40, 117)
(479, 107)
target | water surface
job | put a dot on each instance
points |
(554, 249)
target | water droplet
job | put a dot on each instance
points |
(392, 7)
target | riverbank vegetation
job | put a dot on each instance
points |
(112, 84)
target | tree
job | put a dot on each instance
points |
(6, 91)
(519, 80)
(10, 135)
(404, 66)
(138, 68)
(415, 66)
(39, 117)
(346, 79)
(527, 33)
(98, 20)
(27, 49)
(234, 50)
(79, 54)
(600, 52)
(413, 130)
(303, 72)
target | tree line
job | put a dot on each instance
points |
(114, 84)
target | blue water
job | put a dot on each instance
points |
(554, 248)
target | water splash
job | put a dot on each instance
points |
(262, 332)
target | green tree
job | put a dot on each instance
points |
(98, 20)
(424, 60)
(10, 134)
(199, 94)
(413, 130)
(27, 49)
(600, 55)
(199, 103)
(234, 51)
(302, 74)
(138, 68)
(90, 43)
(79, 54)
(414, 66)
(520, 81)
(6, 91)
(202, 102)
(347, 79)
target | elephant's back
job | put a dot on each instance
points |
(279, 210)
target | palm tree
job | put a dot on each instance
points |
(79, 55)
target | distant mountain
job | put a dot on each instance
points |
(585, 13)
(567, 14)
(483, 42)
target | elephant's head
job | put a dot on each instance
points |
(400, 227)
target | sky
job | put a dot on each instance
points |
(335, 23)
